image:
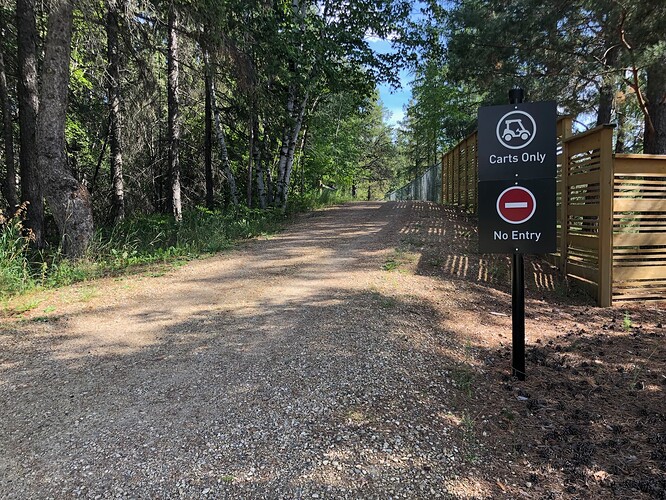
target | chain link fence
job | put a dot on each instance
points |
(427, 187)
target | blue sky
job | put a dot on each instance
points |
(393, 99)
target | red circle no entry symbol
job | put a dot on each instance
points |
(516, 205)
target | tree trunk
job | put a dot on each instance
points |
(258, 162)
(68, 199)
(208, 134)
(655, 126)
(292, 150)
(621, 133)
(28, 101)
(250, 161)
(9, 185)
(284, 148)
(115, 129)
(173, 114)
(301, 162)
(224, 154)
(608, 86)
(268, 146)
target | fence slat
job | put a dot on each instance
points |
(588, 273)
(623, 273)
(590, 210)
(581, 179)
(638, 205)
(588, 242)
(640, 164)
(638, 239)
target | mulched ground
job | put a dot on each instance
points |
(590, 420)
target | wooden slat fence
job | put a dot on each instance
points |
(460, 175)
(611, 212)
(586, 211)
(426, 187)
(639, 227)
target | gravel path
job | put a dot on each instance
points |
(362, 353)
(291, 368)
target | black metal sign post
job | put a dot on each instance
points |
(517, 214)
(517, 96)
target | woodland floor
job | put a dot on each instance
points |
(364, 352)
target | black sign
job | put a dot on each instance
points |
(518, 141)
(517, 216)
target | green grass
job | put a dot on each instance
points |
(15, 275)
(390, 265)
(129, 247)
(626, 322)
(27, 306)
(399, 258)
(463, 379)
(314, 200)
(468, 428)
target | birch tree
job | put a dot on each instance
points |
(173, 104)
(222, 144)
(115, 114)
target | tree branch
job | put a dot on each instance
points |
(634, 83)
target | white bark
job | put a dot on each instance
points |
(292, 149)
(224, 154)
(174, 114)
(284, 149)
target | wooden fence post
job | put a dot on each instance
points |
(444, 172)
(564, 211)
(475, 169)
(449, 181)
(606, 178)
(454, 176)
(566, 124)
(468, 173)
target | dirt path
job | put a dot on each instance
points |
(359, 354)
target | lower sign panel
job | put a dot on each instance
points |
(517, 216)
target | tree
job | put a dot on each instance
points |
(173, 112)
(142, 138)
(28, 105)
(222, 143)
(208, 131)
(115, 114)
(578, 53)
(655, 123)
(68, 199)
(9, 185)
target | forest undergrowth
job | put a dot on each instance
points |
(136, 242)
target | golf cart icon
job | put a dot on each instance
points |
(516, 129)
(513, 129)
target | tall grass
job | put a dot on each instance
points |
(313, 200)
(15, 275)
(134, 242)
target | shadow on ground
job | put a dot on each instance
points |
(344, 391)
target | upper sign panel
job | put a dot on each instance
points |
(518, 141)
